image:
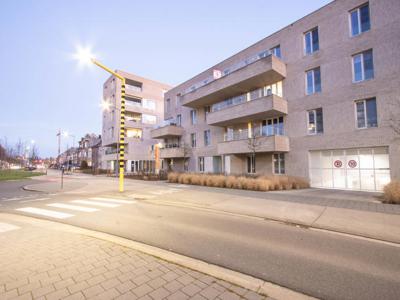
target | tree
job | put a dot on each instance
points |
(394, 118)
(253, 143)
(187, 150)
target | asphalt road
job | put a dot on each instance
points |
(319, 264)
(13, 189)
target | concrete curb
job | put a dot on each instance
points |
(246, 281)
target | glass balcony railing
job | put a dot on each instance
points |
(268, 90)
(229, 70)
(133, 88)
(243, 134)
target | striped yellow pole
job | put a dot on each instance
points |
(121, 157)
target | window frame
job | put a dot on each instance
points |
(273, 51)
(193, 140)
(251, 168)
(358, 9)
(316, 121)
(201, 164)
(364, 101)
(193, 116)
(207, 137)
(313, 81)
(279, 163)
(362, 66)
(312, 51)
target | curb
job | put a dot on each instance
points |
(246, 281)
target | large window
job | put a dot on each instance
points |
(193, 140)
(207, 137)
(134, 133)
(149, 104)
(315, 121)
(251, 164)
(313, 81)
(149, 119)
(360, 20)
(168, 105)
(276, 51)
(311, 41)
(366, 113)
(179, 120)
(363, 66)
(279, 163)
(193, 116)
(201, 164)
(273, 127)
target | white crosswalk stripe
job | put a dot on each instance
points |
(4, 227)
(112, 200)
(45, 212)
(73, 207)
(95, 203)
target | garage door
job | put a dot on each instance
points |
(354, 169)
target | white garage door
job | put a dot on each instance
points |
(355, 169)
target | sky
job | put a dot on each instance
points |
(43, 89)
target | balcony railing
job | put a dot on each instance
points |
(255, 132)
(229, 70)
(132, 88)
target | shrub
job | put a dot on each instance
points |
(391, 192)
(261, 183)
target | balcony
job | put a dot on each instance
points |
(240, 145)
(252, 74)
(261, 108)
(172, 152)
(167, 132)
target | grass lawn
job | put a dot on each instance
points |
(17, 174)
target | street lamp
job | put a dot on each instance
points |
(84, 56)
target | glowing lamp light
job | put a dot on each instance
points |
(105, 105)
(84, 55)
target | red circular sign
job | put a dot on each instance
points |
(352, 163)
(338, 163)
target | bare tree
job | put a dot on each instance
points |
(187, 150)
(34, 153)
(253, 143)
(394, 118)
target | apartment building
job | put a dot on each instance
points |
(144, 109)
(317, 99)
(88, 150)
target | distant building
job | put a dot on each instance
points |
(144, 109)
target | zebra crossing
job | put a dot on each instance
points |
(59, 210)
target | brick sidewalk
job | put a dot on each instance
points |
(40, 263)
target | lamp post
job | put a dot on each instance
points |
(85, 56)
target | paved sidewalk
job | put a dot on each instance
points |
(41, 262)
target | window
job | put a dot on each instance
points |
(134, 133)
(207, 109)
(133, 117)
(279, 163)
(363, 66)
(179, 120)
(207, 137)
(201, 164)
(193, 140)
(178, 100)
(149, 119)
(168, 105)
(273, 127)
(251, 164)
(193, 116)
(311, 41)
(359, 20)
(313, 81)
(276, 51)
(366, 113)
(133, 101)
(315, 121)
(149, 104)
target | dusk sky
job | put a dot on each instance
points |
(42, 88)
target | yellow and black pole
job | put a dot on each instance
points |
(121, 158)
